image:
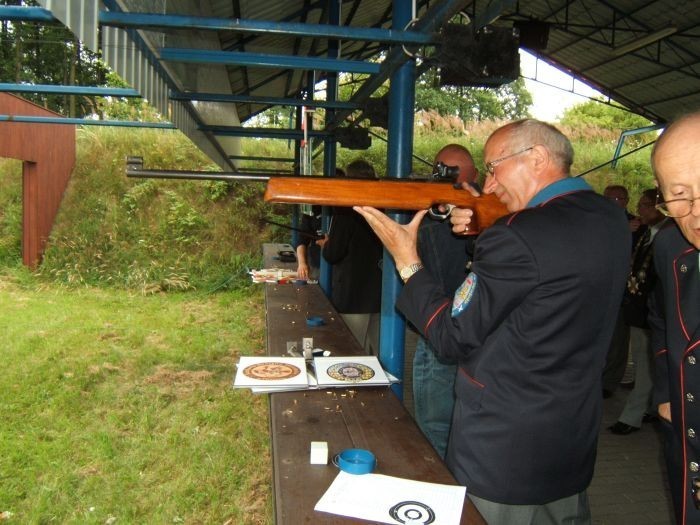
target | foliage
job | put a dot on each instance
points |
(49, 54)
(10, 213)
(508, 102)
(124, 108)
(154, 235)
(119, 409)
(596, 114)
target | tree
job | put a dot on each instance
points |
(599, 114)
(49, 54)
(510, 101)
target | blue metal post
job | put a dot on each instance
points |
(400, 149)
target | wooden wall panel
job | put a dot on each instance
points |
(48, 152)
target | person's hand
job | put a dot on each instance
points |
(634, 223)
(399, 239)
(303, 271)
(322, 241)
(462, 217)
(665, 411)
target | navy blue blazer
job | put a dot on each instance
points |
(530, 329)
(675, 323)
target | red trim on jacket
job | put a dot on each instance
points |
(432, 317)
(461, 371)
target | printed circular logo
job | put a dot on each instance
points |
(271, 371)
(352, 372)
(412, 512)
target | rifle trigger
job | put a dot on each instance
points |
(436, 214)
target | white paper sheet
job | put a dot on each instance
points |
(271, 372)
(349, 371)
(388, 499)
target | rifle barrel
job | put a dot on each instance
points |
(197, 175)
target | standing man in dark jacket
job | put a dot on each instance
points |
(675, 316)
(355, 253)
(529, 327)
(446, 256)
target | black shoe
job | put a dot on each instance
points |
(650, 418)
(607, 394)
(622, 429)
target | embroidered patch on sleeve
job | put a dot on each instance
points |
(464, 295)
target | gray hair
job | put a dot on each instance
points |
(528, 132)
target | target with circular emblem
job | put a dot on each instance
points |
(271, 371)
(412, 512)
(351, 372)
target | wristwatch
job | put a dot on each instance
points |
(407, 271)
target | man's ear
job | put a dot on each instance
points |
(541, 156)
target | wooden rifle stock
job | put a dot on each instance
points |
(394, 194)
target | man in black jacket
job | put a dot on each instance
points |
(529, 327)
(355, 254)
(675, 314)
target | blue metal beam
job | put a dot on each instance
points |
(159, 21)
(272, 133)
(27, 14)
(400, 145)
(233, 58)
(69, 90)
(85, 122)
(253, 99)
(629, 133)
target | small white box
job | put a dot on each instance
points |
(319, 453)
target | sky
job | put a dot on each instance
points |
(550, 102)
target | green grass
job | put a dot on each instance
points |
(118, 405)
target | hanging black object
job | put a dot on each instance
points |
(486, 58)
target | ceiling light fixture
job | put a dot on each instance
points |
(644, 41)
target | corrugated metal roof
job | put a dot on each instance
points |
(641, 53)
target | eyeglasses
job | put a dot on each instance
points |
(491, 166)
(676, 208)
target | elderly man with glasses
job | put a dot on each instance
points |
(675, 313)
(529, 328)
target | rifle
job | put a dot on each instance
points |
(396, 194)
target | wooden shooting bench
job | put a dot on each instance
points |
(371, 418)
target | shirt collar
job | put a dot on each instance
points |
(565, 185)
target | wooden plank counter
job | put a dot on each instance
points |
(368, 418)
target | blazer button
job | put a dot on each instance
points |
(691, 433)
(691, 359)
(694, 467)
(689, 397)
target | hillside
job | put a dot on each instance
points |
(159, 235)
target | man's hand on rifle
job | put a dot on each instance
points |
(399, 239)
(462, 217)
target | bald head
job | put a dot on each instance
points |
(676, 163)
(458, 155)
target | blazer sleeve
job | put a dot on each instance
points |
(657, 323)
(504, 271)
